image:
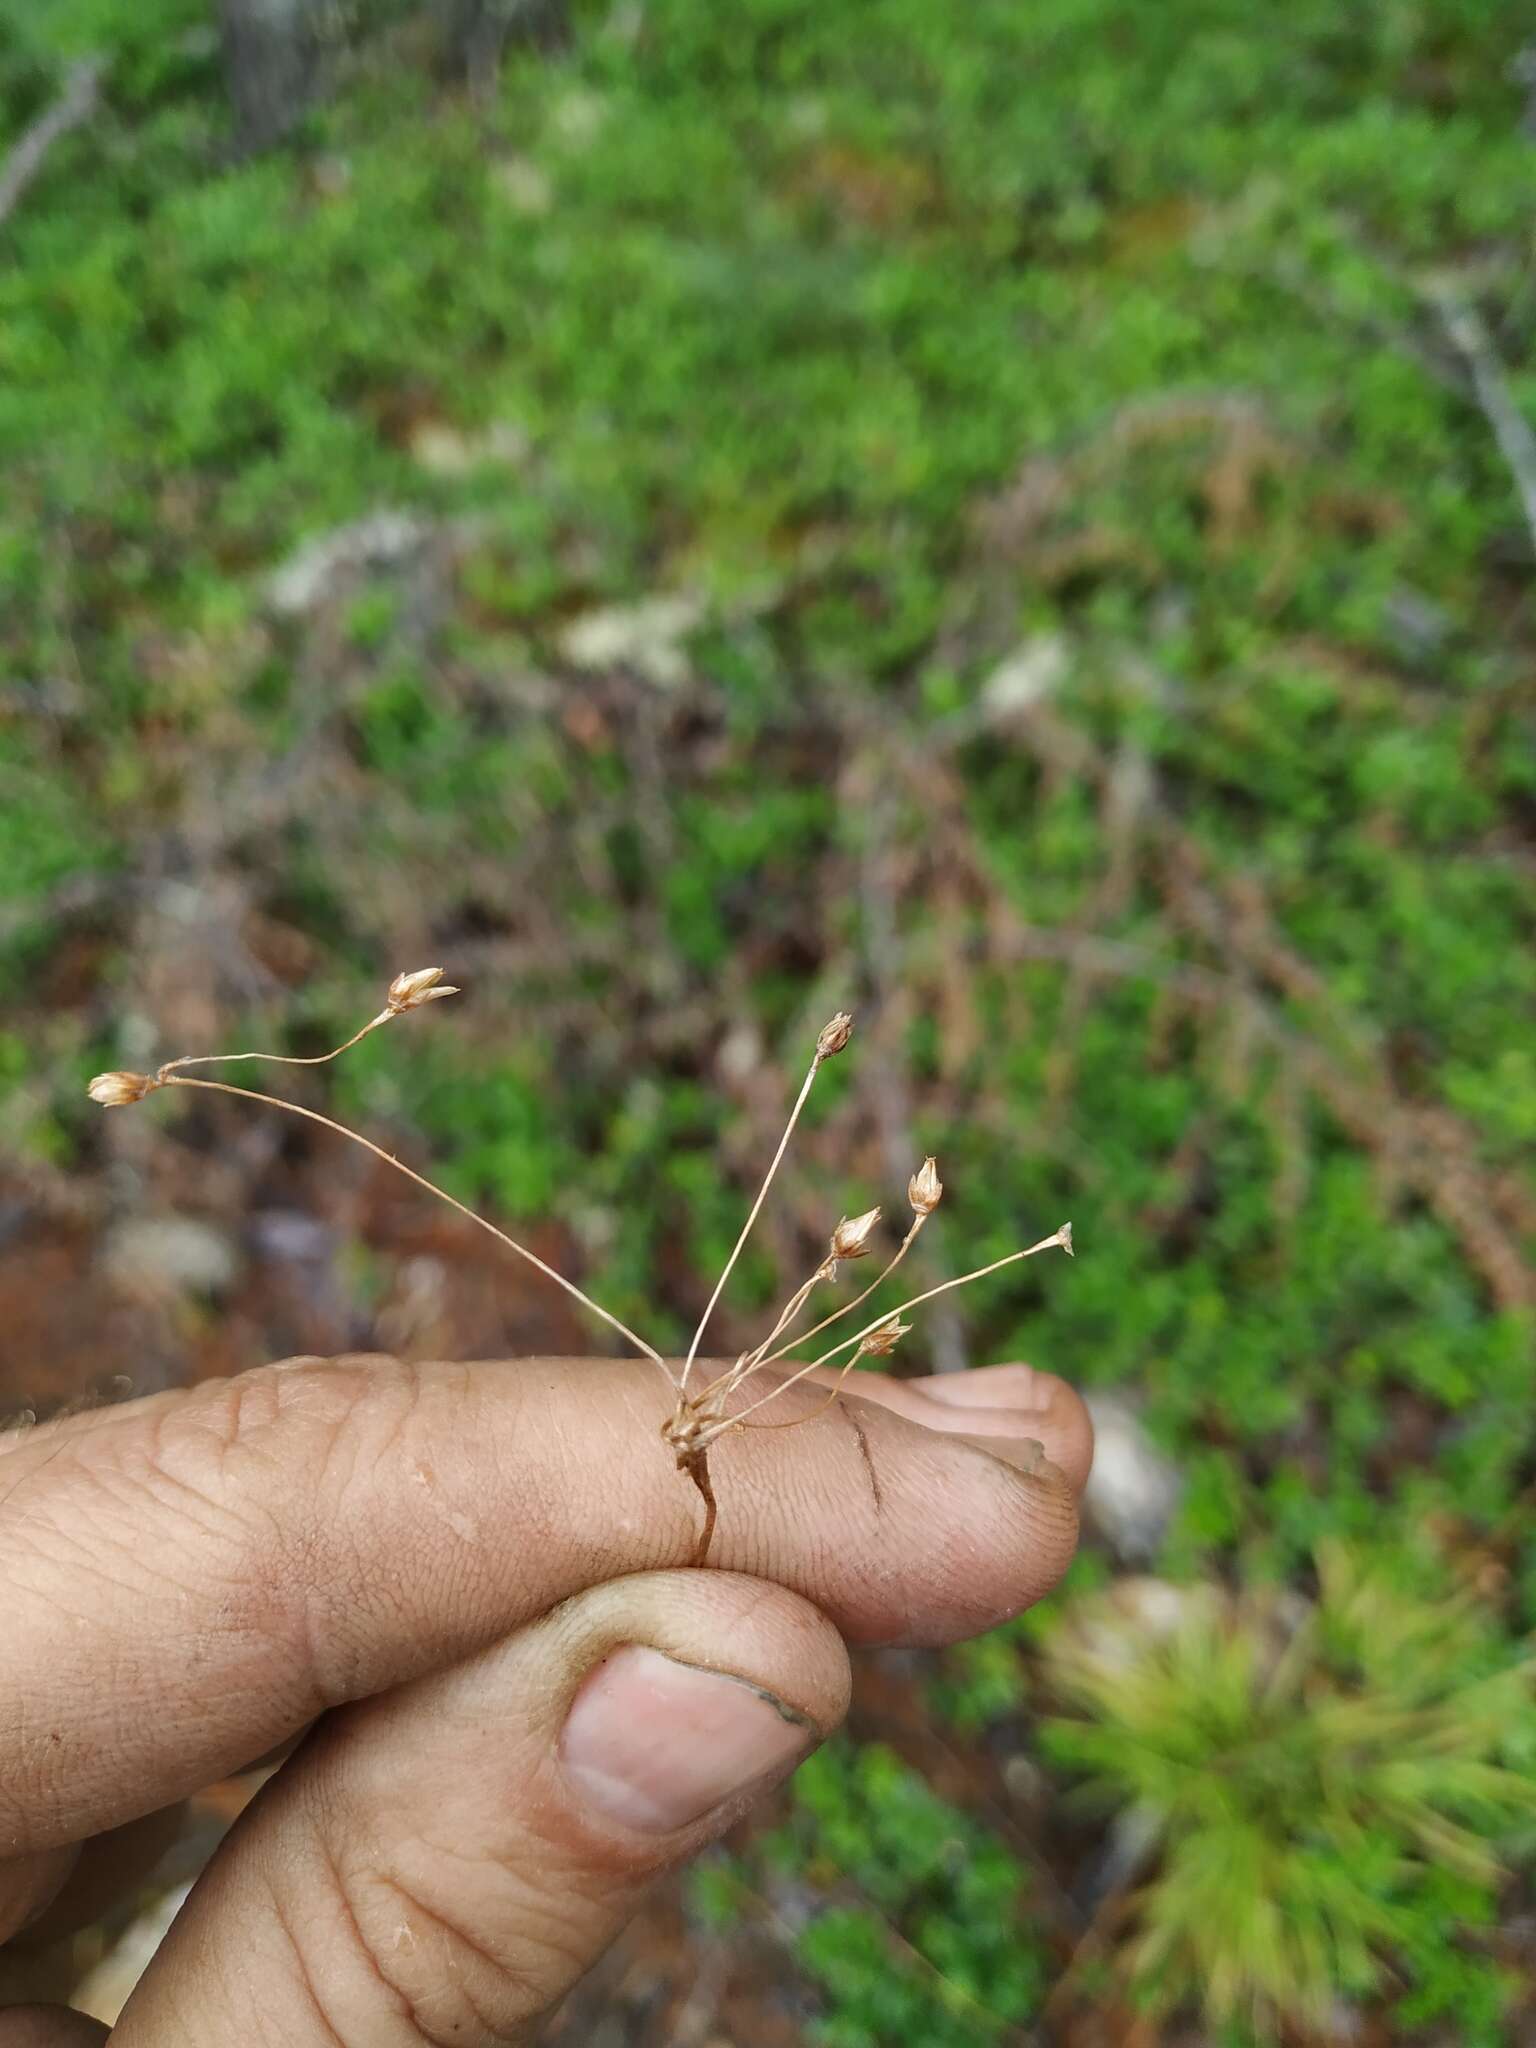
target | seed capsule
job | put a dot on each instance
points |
(834, 1036)
(115, 1091)
(850, 1240)
(884, 1338)
(410, 991)
(925, 1188)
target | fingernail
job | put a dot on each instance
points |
(654, 1744)
(1003, 1387)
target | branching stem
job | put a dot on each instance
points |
(746, 1229)
(278, 1059)
(170, 1079)
(698, 1421)
(1061, 1237)
(848, 1307)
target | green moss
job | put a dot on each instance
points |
(1322, 1795)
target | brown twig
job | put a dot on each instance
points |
(75, 104)
(1511, 429)
(696, 1465)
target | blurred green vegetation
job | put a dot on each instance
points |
(924, 1937)
(1316, 1787)
(1104, 640)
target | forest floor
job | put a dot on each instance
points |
(1025, 532)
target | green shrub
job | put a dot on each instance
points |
(1326, 1791)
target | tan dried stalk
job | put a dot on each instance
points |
(700, 1419)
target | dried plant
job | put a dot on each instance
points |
(701, 1416)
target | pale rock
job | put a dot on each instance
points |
(445, 451)
(169, 1255)
(1032, 672)
(647, 636)
(1133, 1489)
(379, 541)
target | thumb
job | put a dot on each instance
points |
(442, 1863)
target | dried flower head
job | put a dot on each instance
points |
(850, 1240)
(834, 1036)
(925, 1189)
(882, 1340)
(115, 1091)
(1064, 1239)
(410, 991)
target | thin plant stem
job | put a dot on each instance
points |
(787, 1314)
(173, 1080)
(746, 1228)
(772, 1357)
(279, 1059)
(749, 1361)
(1060, 1237)
(795, 1421)
(697, 1468)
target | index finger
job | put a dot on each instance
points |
(190, 1579)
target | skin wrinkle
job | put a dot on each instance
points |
(177, 1493)
(852, 1413)
(90, 1530)
(8, 1509)
(231, 1618)
(333, 2039)
(554, 1872)
(38, 1756)
(341, 1898)
(343, 1591)
(334, 1816)
(615, 1547)
(360, 1442)
(405, 2002)
(258, 1415)
(523, 1984)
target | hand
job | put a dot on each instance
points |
(468, 1579)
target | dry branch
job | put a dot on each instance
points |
(75, 105)
(1511, 429)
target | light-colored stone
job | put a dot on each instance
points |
(170, 1255)
(1133, 1489)
(647, 636)
(383, 538)
(445, 451)
(1032, 672)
